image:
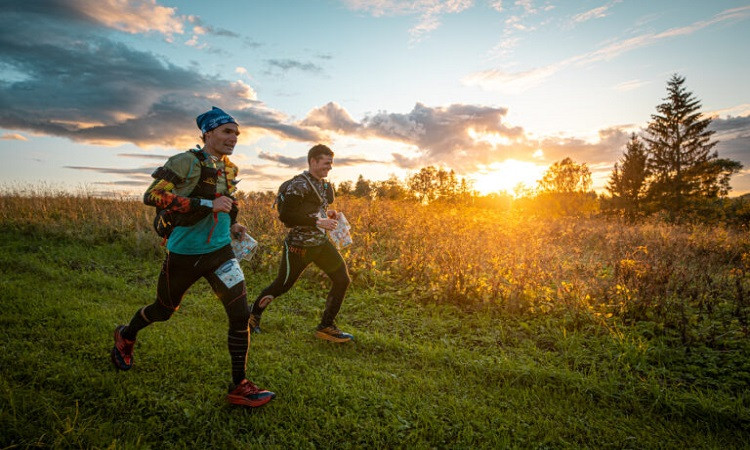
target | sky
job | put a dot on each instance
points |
(95, 94)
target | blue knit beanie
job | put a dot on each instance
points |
(212, 119)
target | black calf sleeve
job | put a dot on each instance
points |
(155, 312)
(238, 343)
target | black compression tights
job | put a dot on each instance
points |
(294, 260)
(178, 273)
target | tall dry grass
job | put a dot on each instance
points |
(693, 281)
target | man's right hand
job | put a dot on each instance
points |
(222, 204)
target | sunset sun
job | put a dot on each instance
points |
(506, 175)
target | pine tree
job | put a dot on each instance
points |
(680, 150)
(627, 184)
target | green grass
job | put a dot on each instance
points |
(419, 375)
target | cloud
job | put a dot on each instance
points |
(429, 11)
(429, 19)
(144, 156)
(515, 23)
(441, 134)
(528, 6)
(300, 162)
(147, 171)
(502, 81)
(127, 183)
(13, 137)
(505, 47)
(604, 151)
(200, 27)
(595, 13)
(409, 163)
(731, 125)
(733, 136)
(290, 64)
(135, 16)
(331, 117)
(630, 85)
(74, 82)
(141, 177)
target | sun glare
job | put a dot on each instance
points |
(507, 175)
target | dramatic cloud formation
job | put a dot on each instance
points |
(74, 82)
(464, 137)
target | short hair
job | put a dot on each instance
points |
(317, 151)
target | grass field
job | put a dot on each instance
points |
(494, 332)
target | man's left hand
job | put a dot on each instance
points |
(238, 230)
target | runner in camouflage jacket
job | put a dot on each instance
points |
(305, 211)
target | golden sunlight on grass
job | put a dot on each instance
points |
(506, 175)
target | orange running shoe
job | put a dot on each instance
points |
(333, 334)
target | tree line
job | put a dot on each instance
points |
(669, 170)
(428, 185)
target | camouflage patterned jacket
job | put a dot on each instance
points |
(302, 208)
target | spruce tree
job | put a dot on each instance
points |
(680, 149)
(627, 184)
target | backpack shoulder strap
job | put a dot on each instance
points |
(167, 174)
(198, 153)
(313, 187)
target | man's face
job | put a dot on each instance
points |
(222, 139)
(320, 166)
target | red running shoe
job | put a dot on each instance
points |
(122, 352)
(247, 394)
